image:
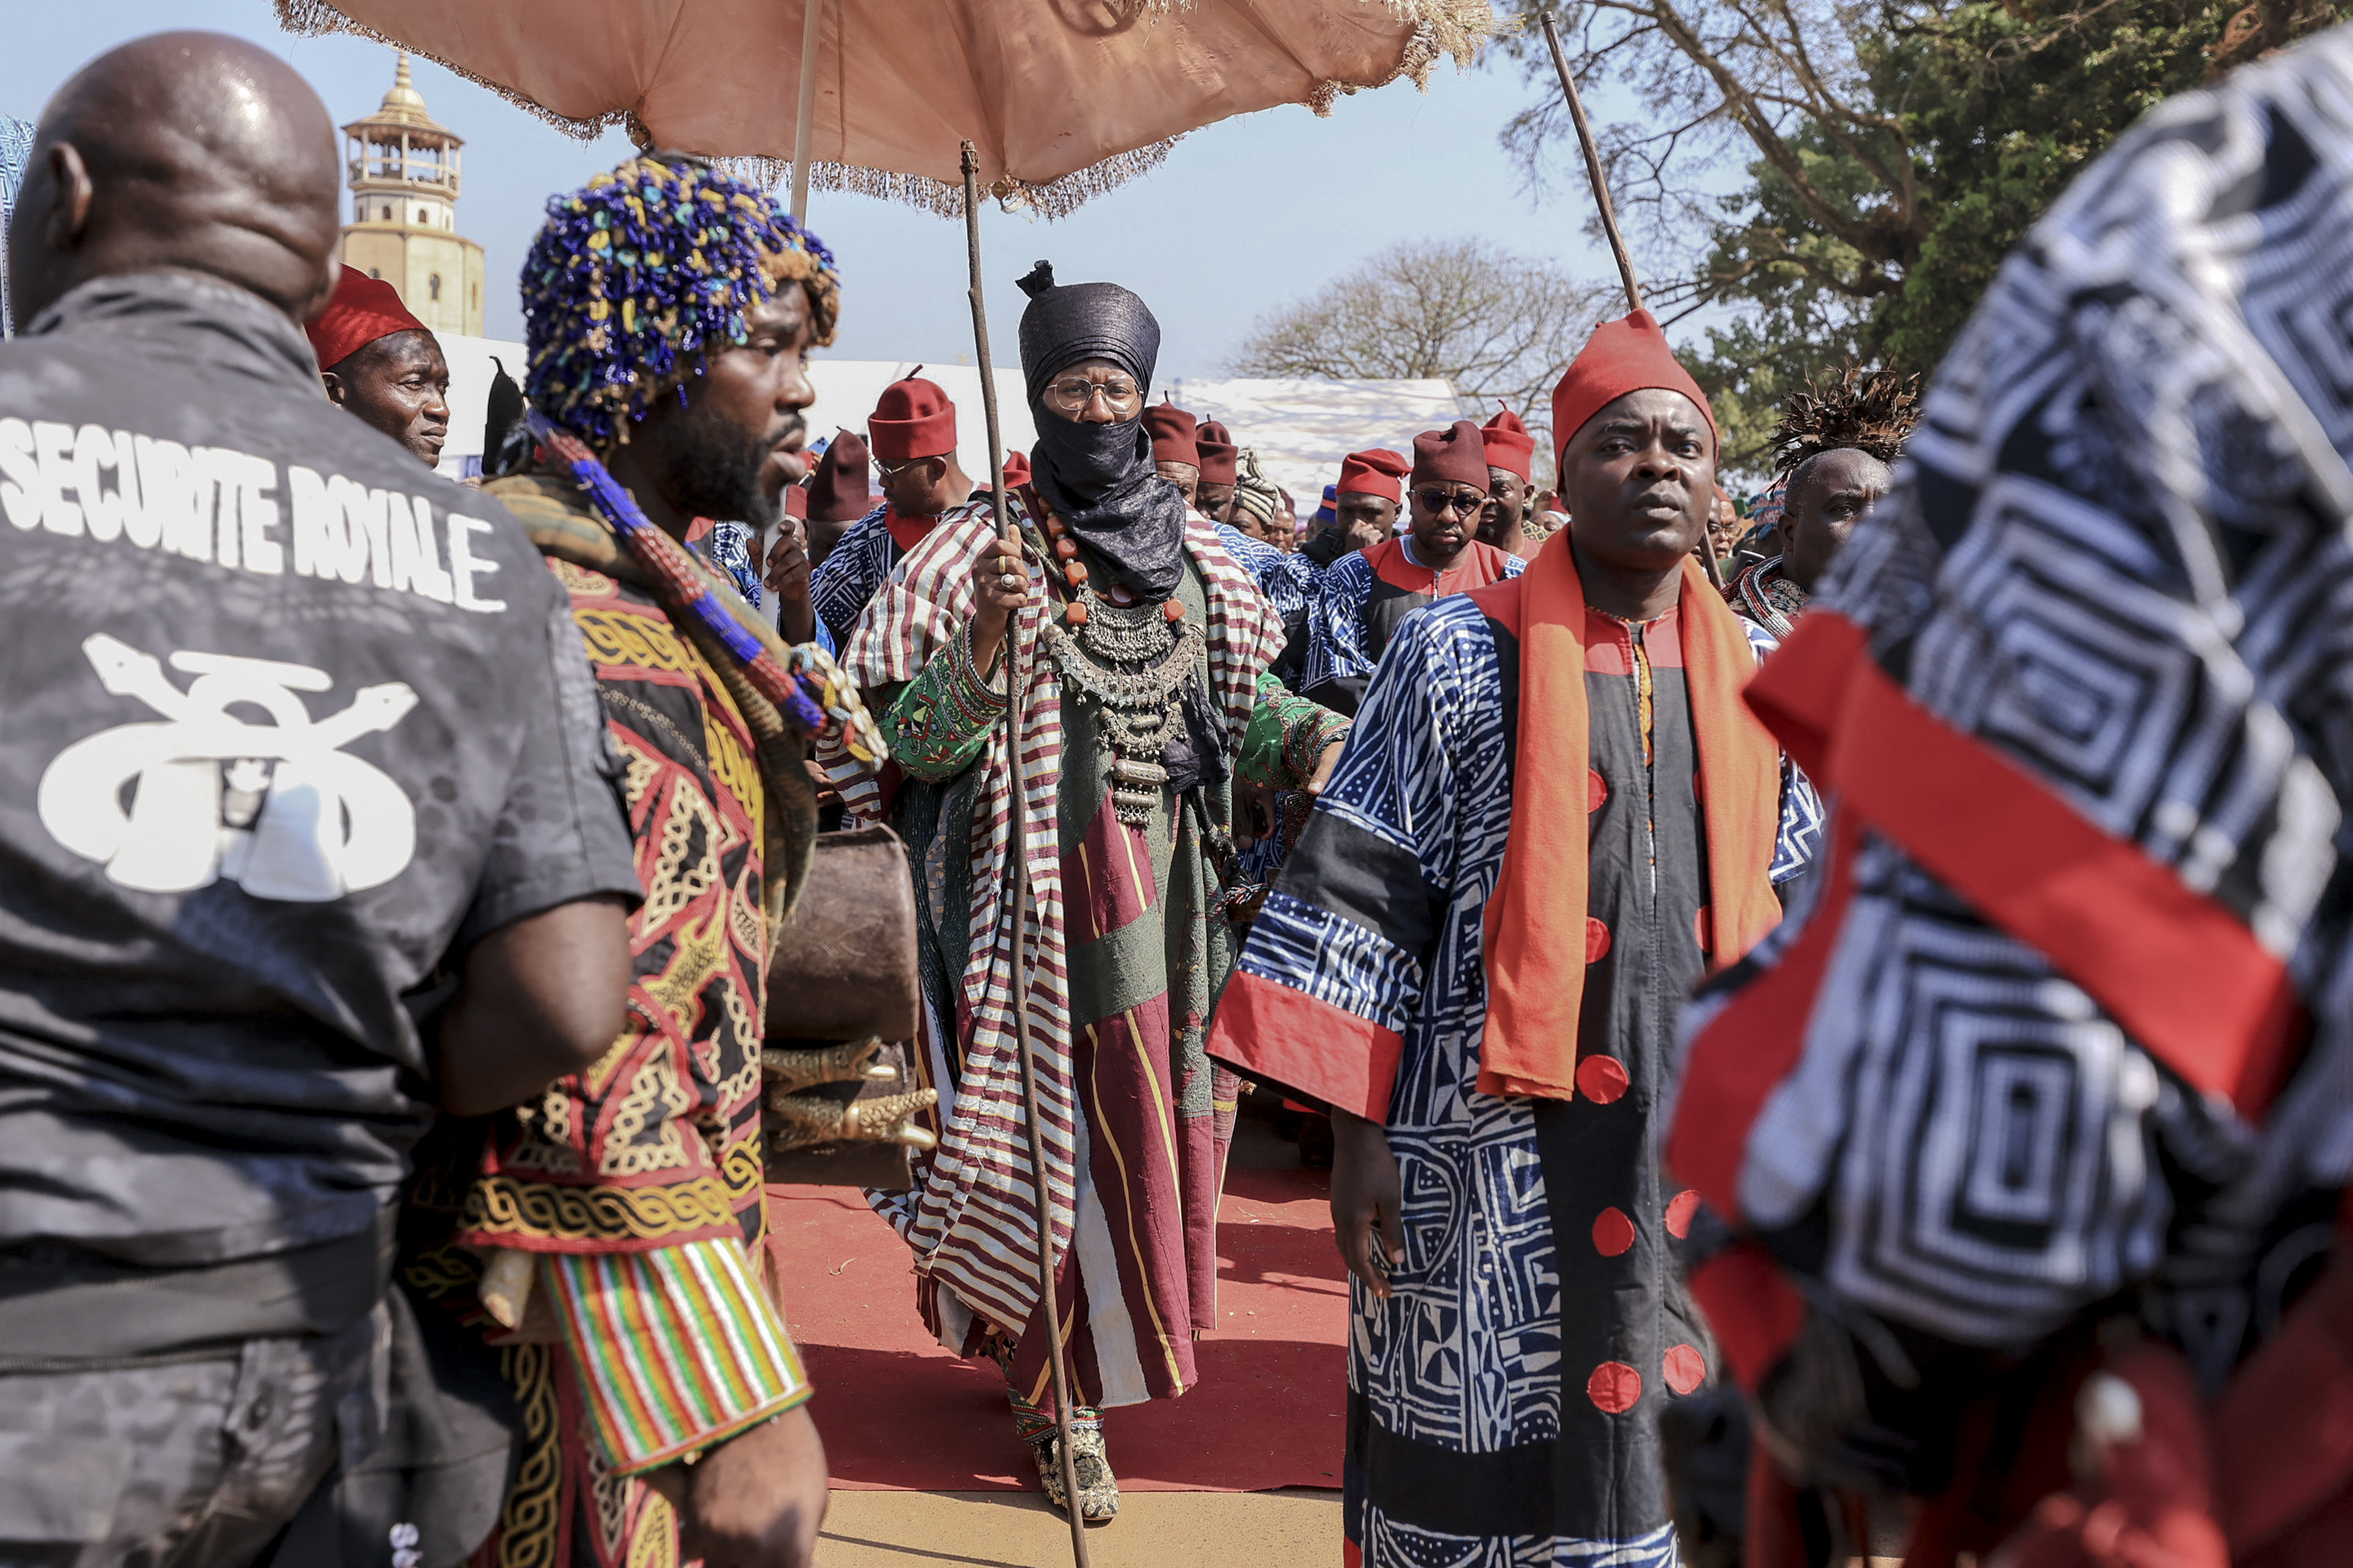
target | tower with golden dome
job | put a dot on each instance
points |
(402, 168)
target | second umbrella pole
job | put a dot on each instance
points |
(1017, 896)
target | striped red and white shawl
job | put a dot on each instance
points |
(974, 1223)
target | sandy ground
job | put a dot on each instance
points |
(1016, 1530)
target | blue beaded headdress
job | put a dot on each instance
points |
(632, 277)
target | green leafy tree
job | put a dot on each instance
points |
(1889, 154)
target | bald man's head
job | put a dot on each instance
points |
(182, 151)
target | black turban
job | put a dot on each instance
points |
(1067, 323)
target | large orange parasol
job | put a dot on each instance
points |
(1062, 98)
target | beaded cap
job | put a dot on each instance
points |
(634, 275)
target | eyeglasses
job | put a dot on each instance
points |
(1074, 392)
(1438, 503)
(893, 470)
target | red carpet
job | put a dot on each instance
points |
(900, 1412)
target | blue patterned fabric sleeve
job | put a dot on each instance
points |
(1335, 624)
(1334, 972)
(15, 156)
(1799, 836)
(849, 577)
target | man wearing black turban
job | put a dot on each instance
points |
(1140, 697)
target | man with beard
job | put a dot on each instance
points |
(1364, 596)
(382, 364)
(1553, 816)
(1510, 448)
(1144, 651)
(666, 1419)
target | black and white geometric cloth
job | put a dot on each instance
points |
(2117, 554)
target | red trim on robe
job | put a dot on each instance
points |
(2180, 973)
(1306, 1044)
(1751, 1307)
(1477, 566)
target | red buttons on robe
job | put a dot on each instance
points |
(1685, 1369)
(1614, 1387)
(1601, 1079)
(1613, 1233)
(1597, 789)
(1704, 928)
(1680, 1209)
(1596, 939)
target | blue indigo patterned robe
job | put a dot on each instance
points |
(1503, 1403)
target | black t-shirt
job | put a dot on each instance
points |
(284, 719)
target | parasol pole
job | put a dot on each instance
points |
(1018, 881)
(1609, 226)
(1592, 163)
(804, 107)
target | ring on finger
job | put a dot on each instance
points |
(1009, 581)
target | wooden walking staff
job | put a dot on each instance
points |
(1609, 226)
(1017, 877)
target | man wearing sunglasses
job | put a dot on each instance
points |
(1367, 594)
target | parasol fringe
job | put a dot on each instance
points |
(1452, 28)
(318, 19)
(1053, 199)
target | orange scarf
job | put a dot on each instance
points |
(1536, 917)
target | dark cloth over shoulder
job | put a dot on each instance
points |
(291, 721)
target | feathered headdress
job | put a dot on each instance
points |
(634, 276)
(1868, 411)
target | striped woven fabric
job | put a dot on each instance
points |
(974, 1221)
(677, 1349)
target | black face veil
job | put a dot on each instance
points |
(1098, 478)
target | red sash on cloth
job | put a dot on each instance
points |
(1535, 981)
(2178, 972)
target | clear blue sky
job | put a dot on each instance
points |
(1243, 217)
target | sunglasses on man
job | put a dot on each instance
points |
(1440, 500)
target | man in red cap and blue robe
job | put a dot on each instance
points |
(1510, 449)
(1366, 595)
(913, 434)
(1488, 1003)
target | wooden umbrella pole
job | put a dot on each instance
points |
(1593, 164)
(1017, 893)
(804, 106)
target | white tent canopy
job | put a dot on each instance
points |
(846, 394)
(1301, 429)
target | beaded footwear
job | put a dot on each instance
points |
(1098, 1488)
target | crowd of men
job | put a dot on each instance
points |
(395, 871)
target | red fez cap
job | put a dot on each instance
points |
(1455, 454)
(1379, 472)
(837, 493)
(914, 419)
(1016, 469)
(1509, 444)
(362, 310)
(1173, 435)
(1216, 449)
(1621, 356)
(796, 501)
